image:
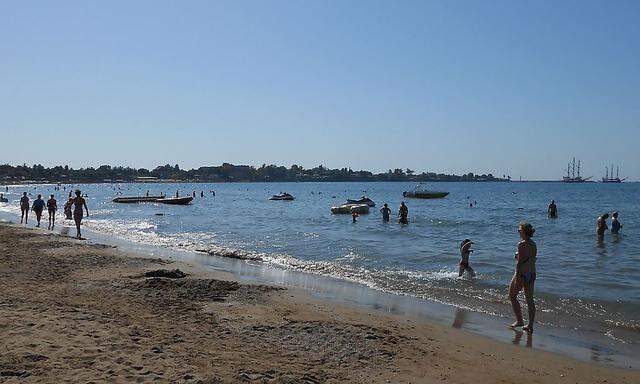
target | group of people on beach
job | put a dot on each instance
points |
(77, 202)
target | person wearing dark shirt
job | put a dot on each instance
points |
(38, 207)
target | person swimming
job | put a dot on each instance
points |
(524, 276)
(24, 208)
(403, 213)
(552, 211)
(601, 225)
(354, 216)
(386, 212)
(465, 252)
(615, 224)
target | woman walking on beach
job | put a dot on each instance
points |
(525, 276)
(24, 208)
(79, 203)
(52, 207)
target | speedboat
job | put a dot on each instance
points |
(283, 196)
(350, 208)
(362, 200)
(175, 200)
(421, 193)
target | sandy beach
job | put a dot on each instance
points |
(77, 312)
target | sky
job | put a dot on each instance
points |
(502, 87)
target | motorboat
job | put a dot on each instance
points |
(175, 200)
(4, 200)
(362, 200)
(419, 192)
(350, 208)
(138, 199)
(283, 196)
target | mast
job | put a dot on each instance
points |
(578, 169)
(606, 172)
(617, 171)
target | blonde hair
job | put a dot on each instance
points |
(527, 228)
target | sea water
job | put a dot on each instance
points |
(582, 283)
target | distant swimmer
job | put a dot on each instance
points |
(386, 212)
(465, 252)
(403, 213)
(601, 226)
(147, 193)
(615, 224)
(79, 202)
(525, 276)
(24, 208)
(552, 211)
(201, 193)
(194, 193)
(38, 207)
(354, 216)
(52, 207)
(176, 193)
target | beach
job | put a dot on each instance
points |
(77, 312)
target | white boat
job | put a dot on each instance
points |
(350, 208)
(419, 192)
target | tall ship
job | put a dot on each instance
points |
(573, 173)
(609, 178)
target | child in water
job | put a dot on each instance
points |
(354, 215)
(615, 224)
(465, 251)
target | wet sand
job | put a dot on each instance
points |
(74, 312)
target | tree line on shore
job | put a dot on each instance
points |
(223, 173)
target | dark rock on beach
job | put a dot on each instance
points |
(169, 273)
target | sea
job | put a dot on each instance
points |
(582, 284)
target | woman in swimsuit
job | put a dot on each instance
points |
(601, 226)
(79, 202)
(525, 276)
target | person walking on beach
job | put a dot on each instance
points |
(24, 208)
(525, 276)
(465, 252)
(38, 207)
(52, 207)
(403, 213)
(386, 212)
(67, 209)
(552, 211)
(615, 224)
(601, 226)
(79, 202)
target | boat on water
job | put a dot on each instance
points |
(138, 199)
(350, 208)
(573, 173)
(362, 200)
(419, 192)
(175, 200)
(611, 179)
(4, 200)
(282, 196)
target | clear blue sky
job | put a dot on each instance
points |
(453, 86)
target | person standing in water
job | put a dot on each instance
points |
(24, 208)
(615, 224)
(52, 207)
(38, 207)
(354, 216)
(525, 276)
(79, 202)
(601, 226)
(386, 212)
(403, 213)
(552, 211)
(465, 252)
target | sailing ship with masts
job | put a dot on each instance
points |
(573, 173)
(607, 179)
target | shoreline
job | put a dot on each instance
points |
(243, 323)
(576, 344)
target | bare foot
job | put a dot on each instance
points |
(516, 324)
(528, 328)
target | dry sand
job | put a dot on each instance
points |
(72, 312)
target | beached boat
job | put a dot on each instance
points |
(419, 192)
(138, 199)
(362, 200)
(283, 196)
(350, 208)
(175, 200)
